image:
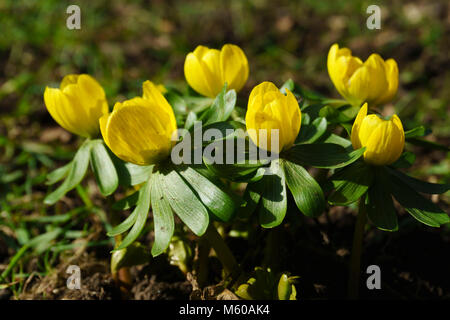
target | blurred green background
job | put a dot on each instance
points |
(122, 43)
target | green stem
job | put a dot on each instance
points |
(202, 264)
(355, 259)
(337, 102)
(14, 261)
(222, 251)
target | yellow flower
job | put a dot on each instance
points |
(384, 139)
(269, 109)
(77, 104)
(375, 81)
(139, 130)
(206, 70)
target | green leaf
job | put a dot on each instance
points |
(190, 120)
(322, 155)
(308, 94)
(127, 202)
(162, 216)
(273, 199)
(178, 105)
(221, 108)
(309, 133)
(406, 160)
(341, 114)
(306, 191)
(419, 185)
(141, 212)
(58, 174)
(252, 195)
(420, 208)
(185, 203)
(125, 225)
(379, 205)
(428, 144)
(416, 132)
(230, 103)
(228, 130)
(77, 171)
(350, 183)
(312, 110)
(135, 254)
(333, 138)
(217, 201)
(235, 172)
(131, 174)
(289, 84)
(198, 104)
(103, 168)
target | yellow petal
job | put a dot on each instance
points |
(83, 110)
(56, 104)
(157, 99)
(206, 70)
(384, 145)
(69, 79)
(356, 143)
(211, 68)
(78, 104)
(294, 118)
(398, 141)
(262, 88)
(392, 79)
(341, 66)
(196, 76)
(234, 66)
(368, 125)
(269, 109)
(103, 121)
(135, 134)
(374, 81)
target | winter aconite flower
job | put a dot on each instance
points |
(140, 130)
(206, 70)
(374, 81)
(384, 139)
(269, 109)
(77, 104)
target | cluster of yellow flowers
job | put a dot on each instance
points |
(139, 130)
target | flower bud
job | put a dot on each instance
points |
(384, 139)
(374, 81)
(269, 109)
(77, 104)
(140, 130)
(206, 70)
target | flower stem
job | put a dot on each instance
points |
(355, 259)
(201, 268)
(222, 251)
